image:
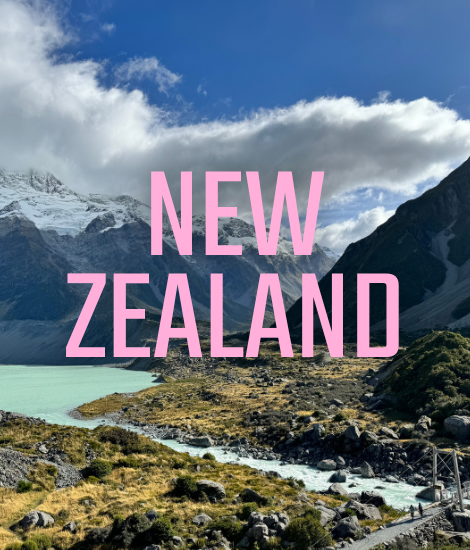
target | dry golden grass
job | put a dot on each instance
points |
(210, 404)
(129, 490)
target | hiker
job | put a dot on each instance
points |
(421, 510)
(412, 512)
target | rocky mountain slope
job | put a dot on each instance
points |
(47, 230)
(426, 246)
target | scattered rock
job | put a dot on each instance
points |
(201, 520)
(200, 441)
(249, 495)
(461, 521)
(346, 528)
(387, 432)
(336, 489)
(364, 511)
(338, 477)
(326, 465)
(352, 433)
(458, 426)
(367, 471)
(36, 519)
(371, 497)
(215, 491)
(71, 527)
(423, 424)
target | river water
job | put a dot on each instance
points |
(52, 392)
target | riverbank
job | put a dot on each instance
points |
(119, 473)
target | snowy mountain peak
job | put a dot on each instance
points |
(51, 205)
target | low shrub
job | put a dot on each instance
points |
(42, 541)
(14, 546)
(125, 532)
(162, 530)
(185, 486)
(24, 486)
(129, 442)
(208, 456)
(231, 529)
(177, 464)
(29, 545)
(340, 417)
(99, 468)
(307, 531)
(247, 509)
(128, 462)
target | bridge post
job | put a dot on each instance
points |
(457, 479)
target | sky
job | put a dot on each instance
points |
(374, 93)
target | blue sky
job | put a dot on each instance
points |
(101, 92)
(246, 55)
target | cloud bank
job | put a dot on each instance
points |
(337, 236)
(57, 115)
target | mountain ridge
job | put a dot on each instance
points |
(423, 244)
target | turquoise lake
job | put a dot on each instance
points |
(52, 392)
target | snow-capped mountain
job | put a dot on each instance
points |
(48, 230)
(51, 205)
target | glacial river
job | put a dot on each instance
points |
(52, 392)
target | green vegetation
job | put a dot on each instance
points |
(24, 486)
(433, 376)
(247, 509)
(185, 486)
(208, 456)
(43, 542)
(307, 532)
(230, 528)
(99, 468)
(162, 530)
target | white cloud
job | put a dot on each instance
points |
(148, 67)
(56, 115)
(108, 27)
(200, 90)
(337, 236)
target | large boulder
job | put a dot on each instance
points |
(367, 471)
(200, 441)
(326, 465)
(36, 519)
(316, 432)
(346, 528)
(338, 477)
(259, 530)
(461, 521)
(368, 438)
(364, 511)
(326, 515)
(430, 493)
(249, 495)
(336, 489)
(215, 491)
(387, 432)
(371, 497)
(201, 520)
(423, 424)
(458, 426)
(352, 433)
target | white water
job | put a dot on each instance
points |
(52, 392)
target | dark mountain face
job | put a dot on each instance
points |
(33, 278)
(426, 245)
